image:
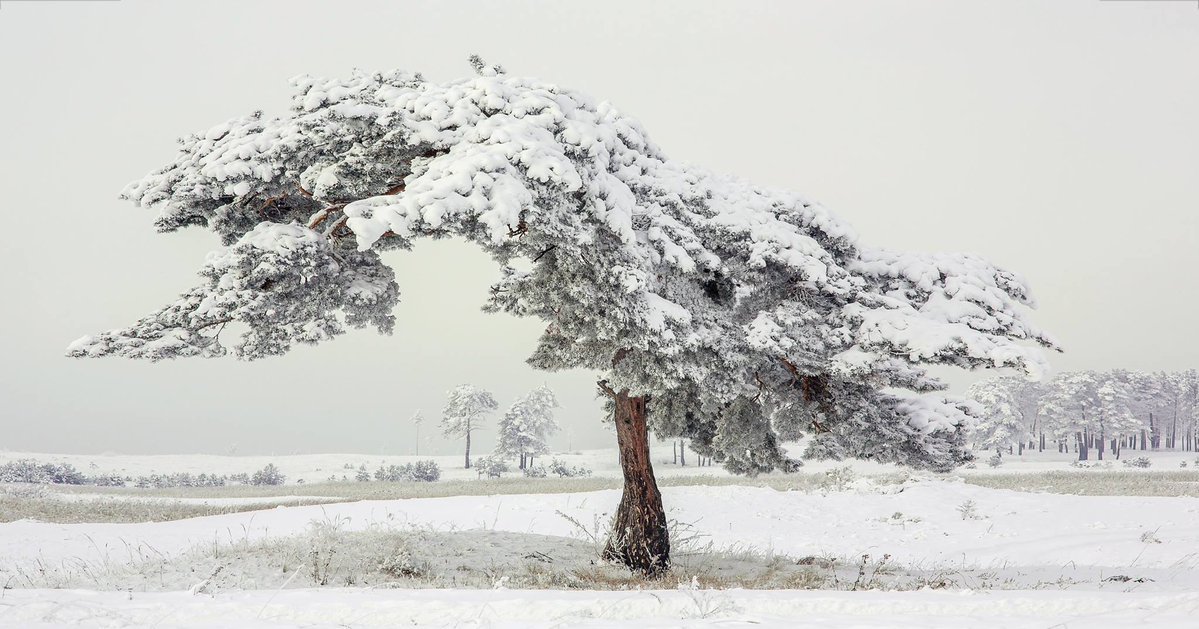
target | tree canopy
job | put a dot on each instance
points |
(747, 315)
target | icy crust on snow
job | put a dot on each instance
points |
(707, 287)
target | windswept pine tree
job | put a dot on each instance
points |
(526, 426)
(466, 406)
(732, 315)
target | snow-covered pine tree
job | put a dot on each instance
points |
(1022, 399)
(526, 426)
(1115, 416)
(1187, 383)
(1000, 424)
(1178, 407)
(732, 315)
(1091, 406)
(1069, 405)
(466, 406)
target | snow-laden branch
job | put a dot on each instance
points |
(703, 283)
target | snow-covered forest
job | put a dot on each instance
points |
(805, 314)
(1089, 412)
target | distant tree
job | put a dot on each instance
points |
(418, 418)
(526, 426)
(362, 476)
(1091, 406)
(729, 314)
(1001, 423)
(465, 408)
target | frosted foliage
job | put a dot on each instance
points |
(527, 424)
(466, 406)
(1000, 421)
(760, 303)
(1099, 403)
(282, 282)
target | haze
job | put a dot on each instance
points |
(1058, 139)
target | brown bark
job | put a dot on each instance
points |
(640, 538)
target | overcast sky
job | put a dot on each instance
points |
(1058, 138)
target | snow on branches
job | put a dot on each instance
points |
(466, 406)
(748, 314)
(527, 424)
(1158, 409)
(283, 282)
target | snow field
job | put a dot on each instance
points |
(537, 609)
(918, 522)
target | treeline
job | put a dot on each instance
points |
(33, 471)
(1089, 412)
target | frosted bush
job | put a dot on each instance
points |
(491, 467)
(1141, 462)
(31, 471)
(268, 475)
(536, 471)
(424, 471)
(838, 478)
(563, 470)
(399, 562)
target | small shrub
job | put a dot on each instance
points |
(424, 471)
(108, 480)
(417, 471)
(400, 563)
(1141, 462)
(996, 460)
(1150, 537)
(268, 475)
(536, 471)
(969, 510)
(492, 467)
(838, 478)
(566, 471)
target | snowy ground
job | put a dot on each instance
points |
(1006, 558)
(517, 609)
(312, 468)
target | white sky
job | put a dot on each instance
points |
(1057, 138)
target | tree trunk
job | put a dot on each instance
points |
(1082, 447)
(683, 452)
(639, 537)
(468, 449)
